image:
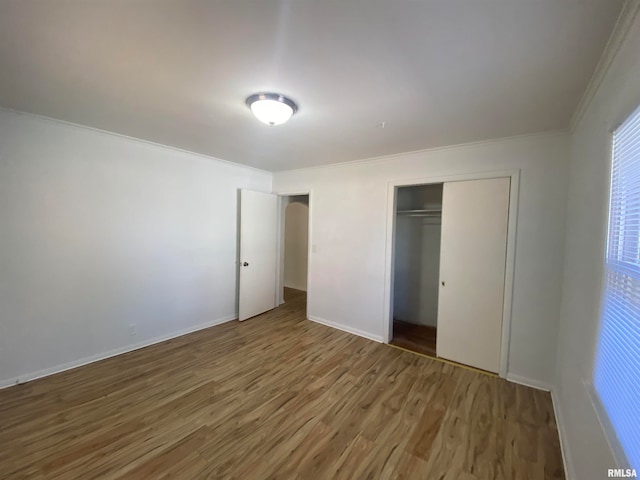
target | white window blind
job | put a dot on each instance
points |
(617, 366)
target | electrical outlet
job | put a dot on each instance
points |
(132, 330)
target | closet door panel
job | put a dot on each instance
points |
(475, 216)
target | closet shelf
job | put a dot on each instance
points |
(420, 213)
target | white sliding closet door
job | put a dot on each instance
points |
(475, 215)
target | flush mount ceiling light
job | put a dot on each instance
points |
(271, 108)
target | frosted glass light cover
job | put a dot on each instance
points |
(271, 112)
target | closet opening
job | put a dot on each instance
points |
(451, 268)
(417, 267)
(294, 250)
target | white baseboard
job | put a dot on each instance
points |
(527, 382)
(345, 328)
(27, 377)
(562, 434)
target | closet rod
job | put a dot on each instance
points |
(420, 213)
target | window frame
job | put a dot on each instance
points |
(611, 435)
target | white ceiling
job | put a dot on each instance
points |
(438, 72)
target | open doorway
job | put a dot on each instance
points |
(294, 250)
(417, 267)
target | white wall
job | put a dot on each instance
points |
(407, 269)
(99, 232)
(618, 95)
(349, 217)
(417, 271)
(296, 233)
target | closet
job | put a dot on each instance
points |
(449, 269)
(417, 265)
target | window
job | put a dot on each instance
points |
(617, 366)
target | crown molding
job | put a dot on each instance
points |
(626, 19)
(65, 123)
(424, 151)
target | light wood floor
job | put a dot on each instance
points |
(417, 338)
(277, 396)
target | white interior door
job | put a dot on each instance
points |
(258, 249)
(475, 216)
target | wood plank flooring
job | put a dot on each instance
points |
(417, 338)
(275, 397)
